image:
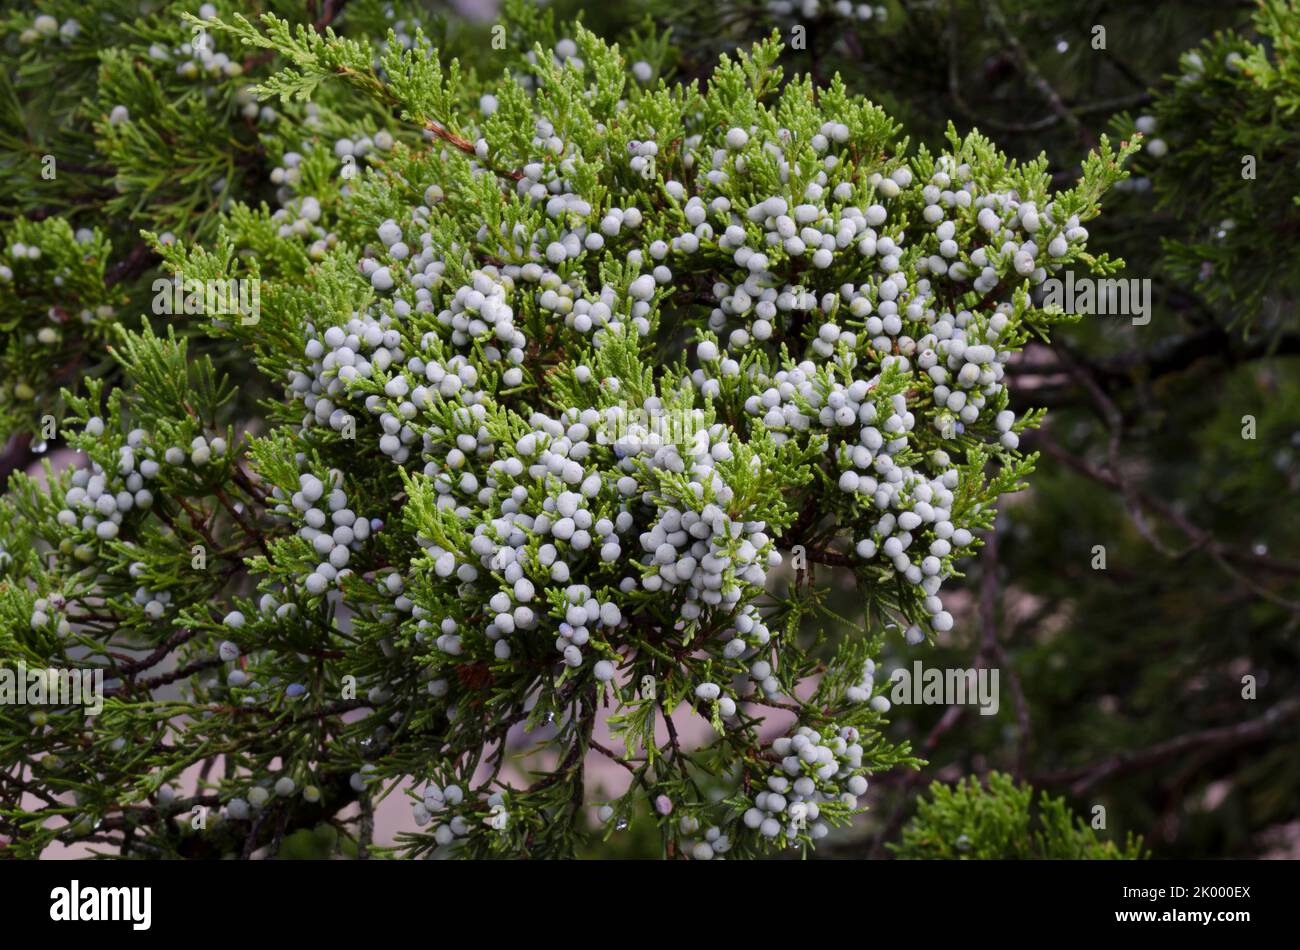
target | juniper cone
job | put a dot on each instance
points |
(501, 392)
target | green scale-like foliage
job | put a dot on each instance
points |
(1004, 821)
(446, 341)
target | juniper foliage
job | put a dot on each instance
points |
(120, 116)
(1159, 680)
(460, 513)
(1002, 820)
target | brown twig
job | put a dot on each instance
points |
(994, 14)
(466, 146)
(1082, 778)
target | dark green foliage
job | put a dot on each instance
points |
(1000, 820)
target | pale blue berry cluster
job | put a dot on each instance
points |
(98, 500)
(816, 768)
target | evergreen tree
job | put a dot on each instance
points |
(571, 340)
(557, 384)
(1141, 600)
